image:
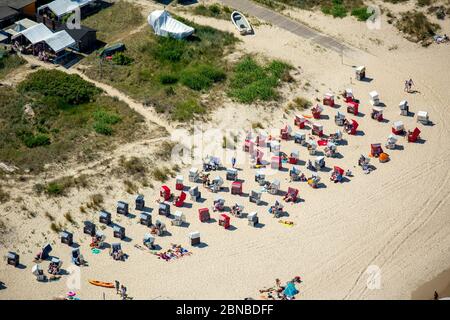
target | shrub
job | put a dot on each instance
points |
(416, 26)
(300, 103)
(168, 78)
(164, 152)
(213, 10)
(72, 88)
(161, 174)
(187, 110)
(56, 227)
(131, 188)
(54, 189)
(423, 3)
(103, 122)
(106, 117)
(33, 141)
(49, 216)
(103, 128)
(4, 196)
(133, 166)
(201, 77)
(96, 199)
(361, 14)
(121, 59)
(251, 82)
(169, 49)
(69, 217)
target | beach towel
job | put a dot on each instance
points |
(95, 251)
(286, 223)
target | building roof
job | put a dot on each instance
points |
(61, 7)
(40, 33)
(16, 4)
(19, 26)
(7, 12)
(77, 34)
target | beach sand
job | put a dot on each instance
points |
(395, 218)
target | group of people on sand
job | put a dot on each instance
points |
(121, 289)
(118, 254)
(175, 252)
(280, 292)
(408, 85)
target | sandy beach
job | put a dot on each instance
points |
(394, 219)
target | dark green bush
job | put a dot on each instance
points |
(168, 78)
(361, 13)
(169, 49)
(54, 189)
(251, 81)
(103, 128)
(106, 117)
(33, 141)
(201, 77)
(121, 59)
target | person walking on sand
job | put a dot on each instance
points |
(406, 86)
(410, 84)
(123, 292)
(117, 283)
(233, 161)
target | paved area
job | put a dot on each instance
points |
(286, 23)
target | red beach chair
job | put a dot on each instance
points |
(224, 221)
(376, 150)
(353, 107)
(291, 195)
(317, 129)
(203, 214)
(328, 100)
(300, 121)
(236, 187)
(353, 128)
(413, 136)
(165, 193)
(179, 202)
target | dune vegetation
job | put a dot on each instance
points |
(53, 116)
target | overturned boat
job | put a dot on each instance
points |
(164, 25)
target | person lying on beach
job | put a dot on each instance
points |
(53, 269)
(288, 197)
